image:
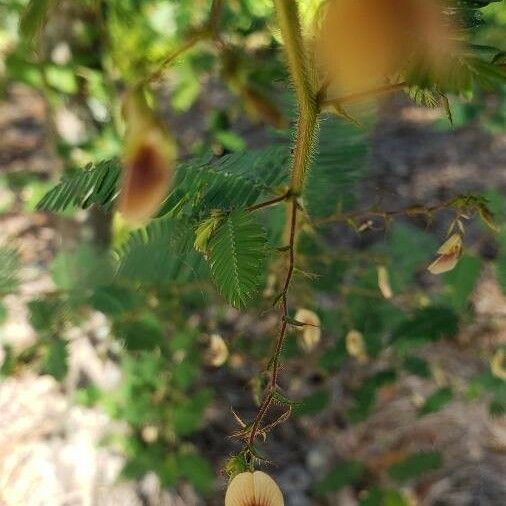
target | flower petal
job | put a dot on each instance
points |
(217, 352)
(452, 245)
(149, 154)
(384, 282)
(253, 489)
(267, 491)
(241, 491)
(311, 330)
(444, 263)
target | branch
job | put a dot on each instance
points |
(357, 97)
(288, 18)
(268, 203)
(416, 210)
(208, 30)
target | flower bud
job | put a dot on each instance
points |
(253, 489)
(149, 155)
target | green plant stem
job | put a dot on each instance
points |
(288, 18)
(289, 23)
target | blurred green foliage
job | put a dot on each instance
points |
(154, 279)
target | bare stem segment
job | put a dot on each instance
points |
(289, 22)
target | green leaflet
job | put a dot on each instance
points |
(237, 254)
(340, 162)
(201, 184)
(95, 184)
(415, 465)
(9, 267)
(34, 17)
(160, 253)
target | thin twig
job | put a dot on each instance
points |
(289, 22)
(268, 203)
(357, 97)
(209, 30)
(386, 215)
(278, 347)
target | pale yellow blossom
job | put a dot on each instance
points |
(310, 331)
(384, 282)
(217, 351)
(253, 489)
(149, 157)
(498, 364)
(449, 254)
(355, 345)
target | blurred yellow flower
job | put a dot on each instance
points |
(355, 345)
(498, 364)
(217, 351)
(253, 489)
(449, 254)
(362, 42)
(311, 330)
(384, 282)
(149, 155)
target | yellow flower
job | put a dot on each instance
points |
(217, 352)
(362, 42)
(355, 345)
(149, 154)
(311, 331)
(449, 254)
(253, 489)
(384, 282)
(498, 364)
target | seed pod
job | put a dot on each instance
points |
(362, 42)
(253, 489)
(149, 155)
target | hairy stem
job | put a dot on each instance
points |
(288, 18)
(289, 23)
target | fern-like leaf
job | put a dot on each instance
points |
(339, 164)
(9, 268)
(160, 253)
(34, 17)
(237, 254)
(230, 182)
(201, 184)
(95, 184)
